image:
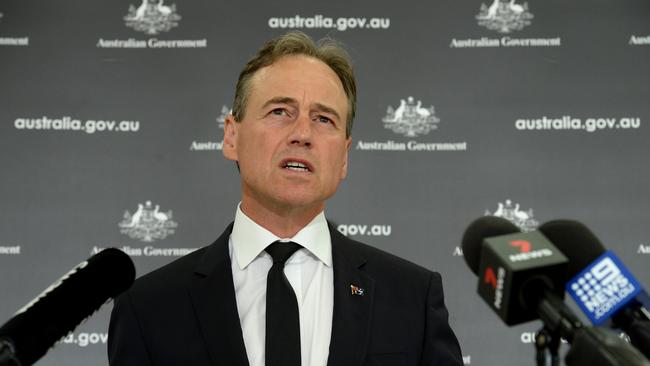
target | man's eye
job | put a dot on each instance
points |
(324, 119)
(279, 111)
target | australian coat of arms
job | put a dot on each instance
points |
(148, 223)
(152, 17)
(410, 118)
(513, 213)
(504, 16)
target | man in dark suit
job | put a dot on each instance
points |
(340, 302)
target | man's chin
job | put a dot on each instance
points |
(295, 200)
(300, 203)
(288, 199)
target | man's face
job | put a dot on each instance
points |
(290, 145)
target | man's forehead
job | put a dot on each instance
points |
(297, 68)
(297, 59)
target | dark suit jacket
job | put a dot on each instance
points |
(185, 313)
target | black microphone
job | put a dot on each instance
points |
(613, 300)
(28, 335)
(520, 274)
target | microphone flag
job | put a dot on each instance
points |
(603, 287)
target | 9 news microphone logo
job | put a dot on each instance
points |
(603, 288)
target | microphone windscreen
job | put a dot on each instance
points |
(67, 302)
(575, 241)
(477, 231)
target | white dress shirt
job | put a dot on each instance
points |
(309, 271)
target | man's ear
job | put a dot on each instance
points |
(230, 138)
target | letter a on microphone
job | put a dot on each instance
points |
(490, 277)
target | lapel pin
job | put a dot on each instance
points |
(358, 291)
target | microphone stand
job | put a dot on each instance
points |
(636, 324)
(589, 345)
(599, 346)
(547, 341)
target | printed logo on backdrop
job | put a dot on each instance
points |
(212, 145)
(147, 223)
(84, 339)
(639, 40)
(570, 123)
(410, 119)
(152, 17)
(364, 230)
(13, 41)
(504, 17)
(9, 249)
(524, 220)
(74, 125)
(320, 21)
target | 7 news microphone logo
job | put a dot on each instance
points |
(523, 245)
(508, 262)
(496, 281)
(526, 252)
(603, 288)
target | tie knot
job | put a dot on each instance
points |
(281, 251)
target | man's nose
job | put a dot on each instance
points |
(301, 133)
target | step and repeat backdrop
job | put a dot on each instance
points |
(111, 122)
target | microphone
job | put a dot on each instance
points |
(601, 285)
(521, 275)
(28, 335)
(529, 284)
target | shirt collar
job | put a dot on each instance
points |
(249, 239)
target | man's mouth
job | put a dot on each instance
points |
(296, 166)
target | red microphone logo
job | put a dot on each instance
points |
(526, 253)
(523, 245)
(497, 282)
(490, 278)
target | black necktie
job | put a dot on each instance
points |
(282, 319)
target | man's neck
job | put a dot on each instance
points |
(284, 222)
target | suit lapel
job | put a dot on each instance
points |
(352, 312)
(213, 296)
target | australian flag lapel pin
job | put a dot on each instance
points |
(357, 291)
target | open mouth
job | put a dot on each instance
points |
(296, 166)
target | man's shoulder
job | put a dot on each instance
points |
(176, 268)
(180, 270)
(174, 277)
(380, 261)
(397, 281)
(170, 276)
